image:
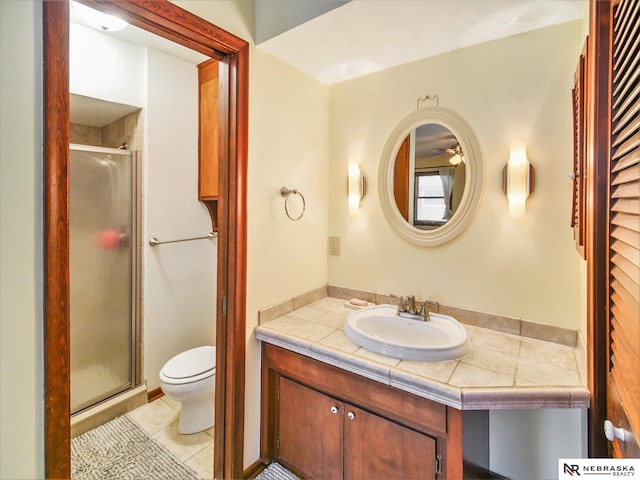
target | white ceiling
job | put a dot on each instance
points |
(366, 36)
(94, 112)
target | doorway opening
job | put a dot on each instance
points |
(177, 25)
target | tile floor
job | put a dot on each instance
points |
(160, 420)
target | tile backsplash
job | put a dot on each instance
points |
(512, 325)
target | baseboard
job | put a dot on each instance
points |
(154, 394)
(253, 470)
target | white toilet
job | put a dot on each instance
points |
(190, 378)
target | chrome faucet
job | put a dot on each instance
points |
(412, 305)
(407, 308)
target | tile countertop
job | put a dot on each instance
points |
(502, 371)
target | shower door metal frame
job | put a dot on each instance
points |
(136, 285)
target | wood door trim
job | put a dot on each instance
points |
(597, 234)
(178, 25)
(57, 415)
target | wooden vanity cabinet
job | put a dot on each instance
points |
(309, 431)
(323, 422)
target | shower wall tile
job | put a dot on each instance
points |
(124, 130)
(127, 130)
(84, 134)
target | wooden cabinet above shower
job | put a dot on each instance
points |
(208, 133)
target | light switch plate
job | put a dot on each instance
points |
(334, 246)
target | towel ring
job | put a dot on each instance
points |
(286, 193)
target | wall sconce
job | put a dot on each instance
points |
(518, 178)
(355, 188)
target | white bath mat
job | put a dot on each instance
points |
(120, 449)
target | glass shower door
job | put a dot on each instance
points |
(102, 260)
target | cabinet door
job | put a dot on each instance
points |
(376, 448)
(208, 130)
(310, 431)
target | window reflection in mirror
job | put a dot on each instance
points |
(429, 176)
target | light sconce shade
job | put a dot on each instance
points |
(355, 188)
(96, 19)
(518, 179)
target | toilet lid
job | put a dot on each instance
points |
(190, 363)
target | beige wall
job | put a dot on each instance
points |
(21, 368)
(288, 145)
(506, 89)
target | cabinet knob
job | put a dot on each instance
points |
(573, 176)
(334, 410)
(612, 432)
(351, 415)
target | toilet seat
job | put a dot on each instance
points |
(190, 366)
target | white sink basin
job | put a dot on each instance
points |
(381, 330)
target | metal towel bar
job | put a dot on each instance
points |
(154, 242)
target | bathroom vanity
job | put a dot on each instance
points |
(324, 422)
(331, 409)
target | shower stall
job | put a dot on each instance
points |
(104, 274)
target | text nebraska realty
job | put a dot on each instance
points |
(613, 470)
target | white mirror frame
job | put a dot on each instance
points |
(474, 181)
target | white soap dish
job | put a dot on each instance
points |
(357, 304)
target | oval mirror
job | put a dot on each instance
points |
(431, 176)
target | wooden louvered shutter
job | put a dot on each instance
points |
(578, 176)
(624, 223)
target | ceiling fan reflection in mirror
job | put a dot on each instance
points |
(457, 155)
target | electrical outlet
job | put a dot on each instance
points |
(334, 246)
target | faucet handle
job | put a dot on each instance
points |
(402, 306)
(424, 313)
